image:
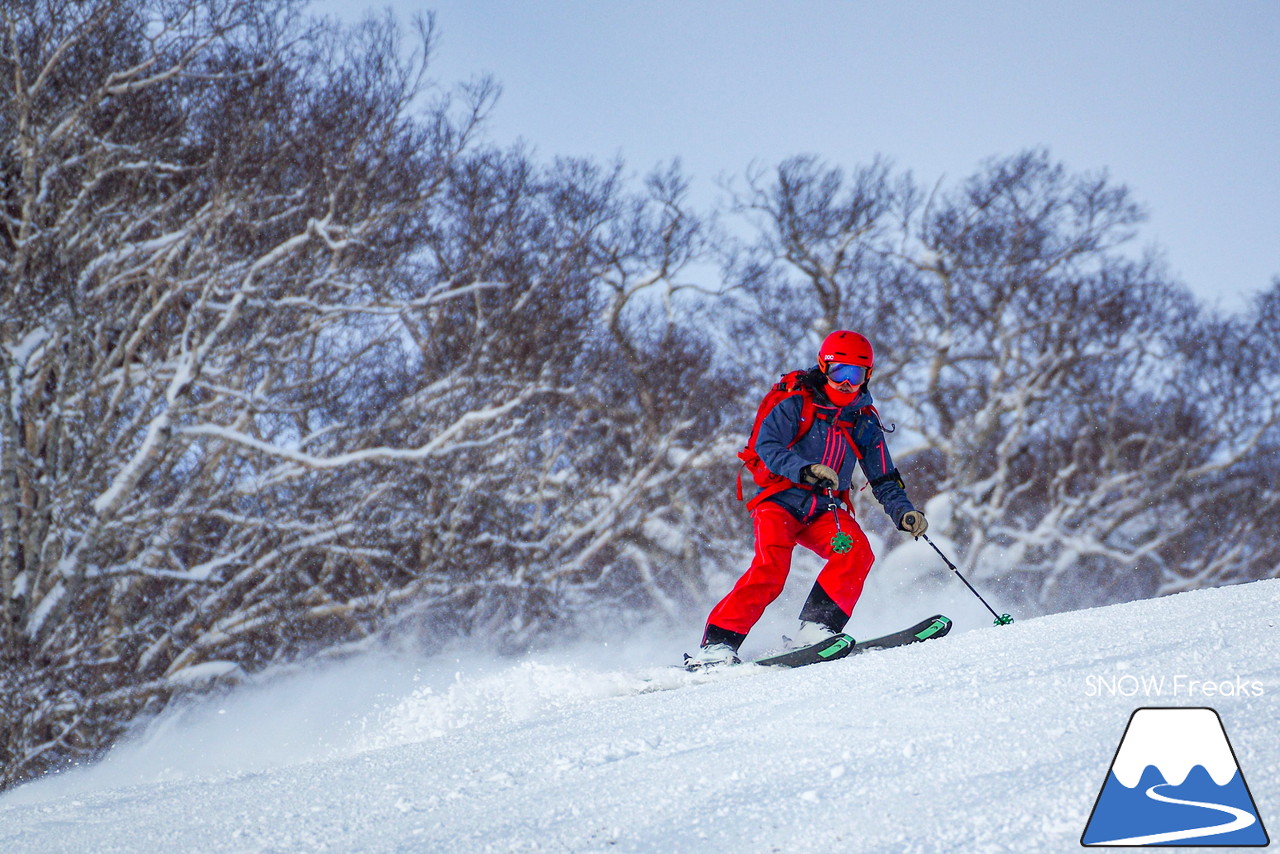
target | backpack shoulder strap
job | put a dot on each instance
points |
(789, 385)
(808, 408)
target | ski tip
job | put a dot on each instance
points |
(937, 626)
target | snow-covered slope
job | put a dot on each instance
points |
(994, 739)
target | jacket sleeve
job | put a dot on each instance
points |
(776, 433)
(878, 466)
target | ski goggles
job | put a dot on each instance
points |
(838, 373)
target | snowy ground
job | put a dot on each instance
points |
(993, 739)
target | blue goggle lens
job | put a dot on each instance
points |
(855, 374)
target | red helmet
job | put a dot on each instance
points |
(846, 348)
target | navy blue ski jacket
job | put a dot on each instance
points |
(826, 444)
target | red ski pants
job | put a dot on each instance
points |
(777, 534)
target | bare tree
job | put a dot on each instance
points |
(578, 490)
(1054, 391)
(209, 213)
(289, 361)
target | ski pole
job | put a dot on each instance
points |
(1001, 619)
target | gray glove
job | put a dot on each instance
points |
(914, 523)
(824, 477)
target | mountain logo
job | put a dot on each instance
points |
(1175, 781)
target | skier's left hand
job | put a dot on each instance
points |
(914, 523)
(824, 477)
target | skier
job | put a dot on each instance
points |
(805, 451)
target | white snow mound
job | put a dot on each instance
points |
(991, 739)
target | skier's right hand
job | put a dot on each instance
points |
(822, 476)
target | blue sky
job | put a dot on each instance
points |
(1180, 100)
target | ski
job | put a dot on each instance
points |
(843, 646)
